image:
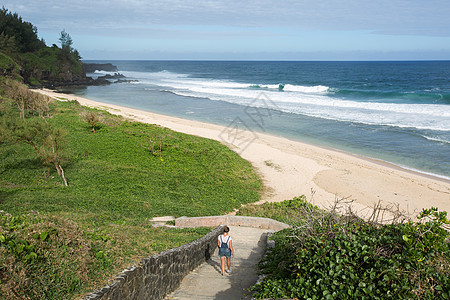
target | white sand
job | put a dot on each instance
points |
(290, 168)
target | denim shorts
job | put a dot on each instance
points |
(224, 252)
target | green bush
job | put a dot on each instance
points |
(48, 64)
(8, 67)
(44, 257)
(332, 257)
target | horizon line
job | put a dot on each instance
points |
(270, 60)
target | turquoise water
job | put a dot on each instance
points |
(394, 111)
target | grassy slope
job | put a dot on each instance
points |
(112, 173)
(117, 183)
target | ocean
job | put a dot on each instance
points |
(398, 112)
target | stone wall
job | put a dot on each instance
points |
(161, 274)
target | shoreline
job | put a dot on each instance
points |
(388, 164)
(292, 168)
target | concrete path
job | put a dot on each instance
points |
(206, 282)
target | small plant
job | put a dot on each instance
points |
(155, 145)
(93, 120)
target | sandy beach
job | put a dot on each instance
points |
(291, 168)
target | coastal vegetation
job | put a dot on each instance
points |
(63, 236)
(79, 185)
(326, 255)
(23, 56)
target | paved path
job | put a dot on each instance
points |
(206, 282)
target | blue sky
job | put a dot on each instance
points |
(229, 29)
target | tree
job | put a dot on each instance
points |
(46, 140)
(24, 33)
(39, 65)
(7, 43)
(66, 42)
(35, 131)
(26, 100)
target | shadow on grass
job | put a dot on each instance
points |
(25, 163)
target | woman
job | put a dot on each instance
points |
(225, 244)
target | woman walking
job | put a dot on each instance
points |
(225, 244)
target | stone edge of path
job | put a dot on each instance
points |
(212, 221)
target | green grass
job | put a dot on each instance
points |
(288, 211)
(113, 173)
(119, 177)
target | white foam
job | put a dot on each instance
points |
(436, 139)
(318, 89)
(102, 72)
(426, 173)
(146, 77)
(316, 101)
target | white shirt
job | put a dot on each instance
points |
(224, 239)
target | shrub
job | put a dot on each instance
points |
(8, 67)
(39, 251)
(334, 257)
(27, 102)
(92, 118)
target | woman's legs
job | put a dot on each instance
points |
(222, 264)
(229, 263)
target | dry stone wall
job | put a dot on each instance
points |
(161, 274)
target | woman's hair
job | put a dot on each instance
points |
(226, 229)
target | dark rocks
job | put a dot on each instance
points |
(83, 80)
(125, 80)
(91, 68)
(73, 83)
(115, 76)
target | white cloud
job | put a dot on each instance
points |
(429, 17)
(241, 25)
